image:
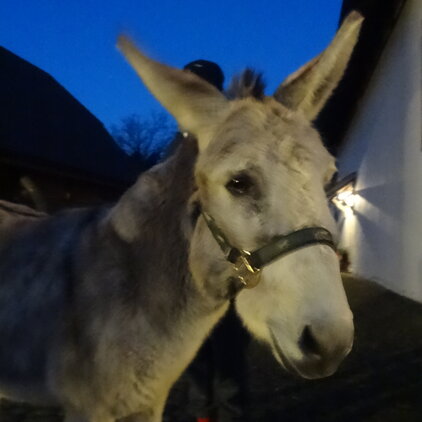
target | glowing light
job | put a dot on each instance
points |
(342, 196)
(345, 198)
(350, 200)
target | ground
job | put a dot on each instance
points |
(381, 380)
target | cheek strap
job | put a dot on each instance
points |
(249, 264)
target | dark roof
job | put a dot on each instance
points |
(42, 125)
(380, 18)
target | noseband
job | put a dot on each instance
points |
(248, 265)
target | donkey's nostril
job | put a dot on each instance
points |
(308, 343)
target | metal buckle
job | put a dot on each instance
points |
(247, 274)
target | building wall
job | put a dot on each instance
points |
(384, 145)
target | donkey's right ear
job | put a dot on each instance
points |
(308, 89)
(194, 103)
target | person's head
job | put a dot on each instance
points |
(209, 71)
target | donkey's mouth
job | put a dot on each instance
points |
(312, 368)
(284, 361)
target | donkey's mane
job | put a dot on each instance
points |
(248, 83)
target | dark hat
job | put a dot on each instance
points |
(207, 70)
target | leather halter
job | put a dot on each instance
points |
(248, 265)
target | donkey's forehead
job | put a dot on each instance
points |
(262, 130)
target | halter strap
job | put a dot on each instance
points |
(249, 264)
(283, 244)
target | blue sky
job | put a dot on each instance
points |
(74, 41)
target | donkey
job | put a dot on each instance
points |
(102, 309)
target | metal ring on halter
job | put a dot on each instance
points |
(248, 275)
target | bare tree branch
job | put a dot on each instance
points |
(146, 138)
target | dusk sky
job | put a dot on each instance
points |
(74, 41)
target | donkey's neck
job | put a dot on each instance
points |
(152, 229)
(152, 221)
(157, 201)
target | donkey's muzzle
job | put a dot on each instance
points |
(324, 348)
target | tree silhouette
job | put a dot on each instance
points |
(145, 138)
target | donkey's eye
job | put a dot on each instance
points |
(241, 184)
(195, 212)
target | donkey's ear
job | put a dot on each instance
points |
(193, 102)
(309, 88)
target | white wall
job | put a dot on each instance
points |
(384, 145)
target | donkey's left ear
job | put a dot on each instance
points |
(194, 103)
(309, 88)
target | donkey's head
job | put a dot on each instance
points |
(260, 173)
